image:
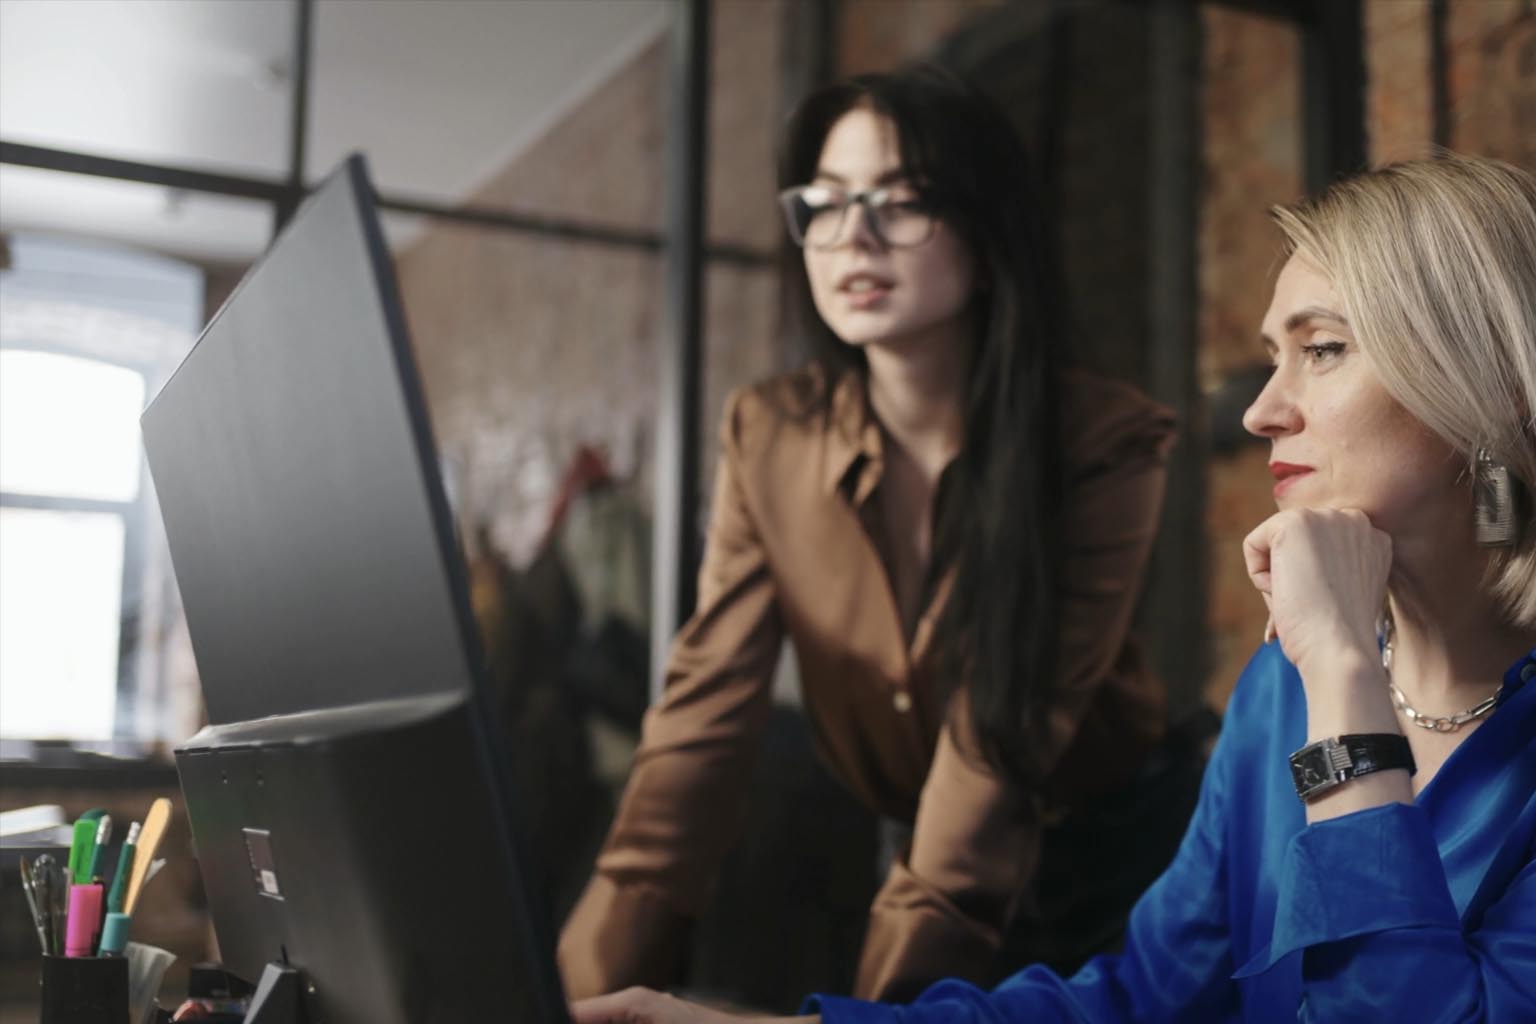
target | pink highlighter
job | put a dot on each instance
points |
(84, 921)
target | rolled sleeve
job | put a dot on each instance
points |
(841, 1010)
(944, 904)
(1364, 900)
(1388, 852)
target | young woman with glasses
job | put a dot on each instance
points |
(951, 530)
(1365, 843)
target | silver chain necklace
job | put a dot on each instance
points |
(1447, 723)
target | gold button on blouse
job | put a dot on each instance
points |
(902, 701)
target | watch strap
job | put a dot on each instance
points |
(1320, 767)
(1378, 752)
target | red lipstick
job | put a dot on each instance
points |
(1285, 474)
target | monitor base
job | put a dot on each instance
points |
(279, 997)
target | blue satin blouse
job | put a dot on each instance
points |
(1403, 913)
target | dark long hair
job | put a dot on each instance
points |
(1000, 521)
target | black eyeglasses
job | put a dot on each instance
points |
(817, 215)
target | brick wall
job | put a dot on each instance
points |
(1252, 159)
(878, 35)
(1398, 95)
(1492, 78)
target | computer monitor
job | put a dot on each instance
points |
(350, 799)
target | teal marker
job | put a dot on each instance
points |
(119, 888)
(99, 849)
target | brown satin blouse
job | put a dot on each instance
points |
(793, 547)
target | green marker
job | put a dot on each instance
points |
(80, 849)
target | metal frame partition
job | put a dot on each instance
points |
(683, 248)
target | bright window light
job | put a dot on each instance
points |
(59, 622)
(68, 426)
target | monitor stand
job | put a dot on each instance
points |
(279, 997)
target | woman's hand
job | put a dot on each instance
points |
(643, 1006)
(1323, 573)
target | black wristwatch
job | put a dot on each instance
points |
(1320, 767)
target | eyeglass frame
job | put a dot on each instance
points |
(871, 200)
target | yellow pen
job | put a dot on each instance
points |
(155, 823)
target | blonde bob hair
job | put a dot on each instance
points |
(1434, 261)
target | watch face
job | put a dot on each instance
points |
(1312, 771)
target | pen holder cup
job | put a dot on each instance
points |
(85, 990)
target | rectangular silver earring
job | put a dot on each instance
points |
(1493, 508)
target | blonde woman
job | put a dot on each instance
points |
(1399, 703)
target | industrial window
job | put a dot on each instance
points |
(89, 622)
